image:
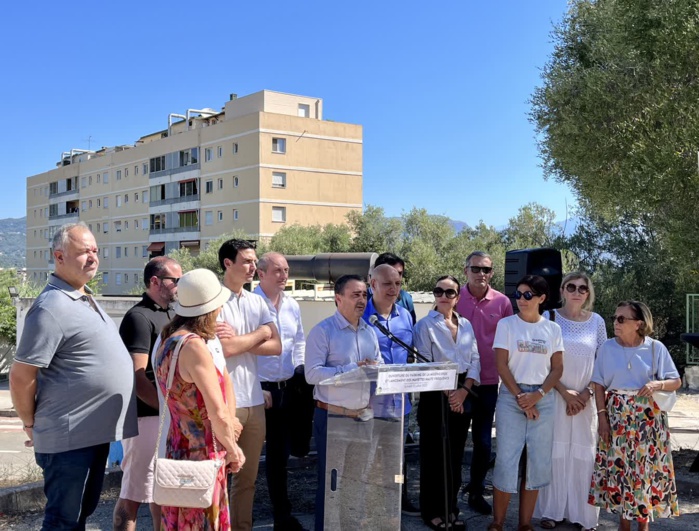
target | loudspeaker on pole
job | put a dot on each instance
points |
(545, 262)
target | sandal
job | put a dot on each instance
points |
(456, 524)
(548, 523)
(437, 524)
(495, 527)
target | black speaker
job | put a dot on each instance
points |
(544, 262)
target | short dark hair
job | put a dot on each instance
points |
(537, 284)
(342, 282)
(156, 268)
(229, 249)
(479, 254)
(390, 259)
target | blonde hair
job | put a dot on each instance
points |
(575, 275)
(642, 313)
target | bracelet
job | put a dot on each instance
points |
(28, 427)
(541, 390)
(662, 386)
(601, 411)
(520, 395)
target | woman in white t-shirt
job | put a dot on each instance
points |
(529, 358)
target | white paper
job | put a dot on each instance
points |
(392, 382)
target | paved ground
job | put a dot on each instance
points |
(685, 435)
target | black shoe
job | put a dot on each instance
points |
(478, 504)
(288, 524)
(408, 508)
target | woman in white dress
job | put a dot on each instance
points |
(575, 425)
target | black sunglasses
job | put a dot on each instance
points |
(621, 319)
(570, 288)
(175, 280)
(479, 269)
(448, 293)
(528, 295)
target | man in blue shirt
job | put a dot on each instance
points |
(385, 288)
(396, 262)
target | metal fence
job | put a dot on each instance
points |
(692, 326)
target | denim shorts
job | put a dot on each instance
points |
(513, 432)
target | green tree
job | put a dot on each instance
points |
(336, 239)
(297, 239)
(373, 232)
(616, 114)
(208, 257)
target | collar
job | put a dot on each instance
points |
(371, 309)
(341, 322)
(488, 294)
(148, 301)
(258, 290)
(56, 283)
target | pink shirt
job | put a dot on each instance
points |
(484, 315)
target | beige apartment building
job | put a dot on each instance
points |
(264, 161)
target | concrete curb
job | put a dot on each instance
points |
(8, 413)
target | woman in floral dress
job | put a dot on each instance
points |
(198, 398)
(633, 474)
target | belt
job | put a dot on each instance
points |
(271, 386)
(339, 410)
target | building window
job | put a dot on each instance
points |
(157, 163)
(189, 188)
(220, 184)
(189, 219)
(220, 215)
(98, 178)
(135, 196)
(126, 252)
(145, 196)
(105, 277)
(89, 203)
(105, 203)
(208, 155)
(209, 187)
(118, 201)
(83, 183)
(98, 227)
(219, 151)
(278, 179)
(117, 226)
(105, 177)
(118, 279)
(208, 217)
(126, 225)
(105, 227)
(135, 278)
(89, 180)
(235, 147)
(145, 168)
(126, 198)
(144, 251)
(126, 172)
(135, 169)
(117, 252)
(118, 175)
(235, 215)
(135, 223)
(304, 110)
(144, 223)
(126, 278)
(235, 181)
(105, 252)
(279, 214)
(99, 203)
(83, 206)
(279, 145)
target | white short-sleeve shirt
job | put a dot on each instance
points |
(530, 347)
(245, 313)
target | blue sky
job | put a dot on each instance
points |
(441, 91)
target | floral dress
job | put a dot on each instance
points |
(190, 437)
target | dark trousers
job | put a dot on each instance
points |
(479, 413)
(72, 484)
(277, 448)
(320, 434)
(432, 455)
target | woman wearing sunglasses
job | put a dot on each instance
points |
(529, 358)
(575, 418)
(633, 473)
(444, 336)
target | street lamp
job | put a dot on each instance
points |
(14, 292)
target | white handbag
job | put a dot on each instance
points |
(665, 399)
(183, 483)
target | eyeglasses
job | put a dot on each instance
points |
(448, 293)
(528, 295)
(175, 280)
(583, 289)
(479, 269)
(622, 319)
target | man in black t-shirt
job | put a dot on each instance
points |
(139, 330)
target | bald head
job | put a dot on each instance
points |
(385, 285)
(273, 271)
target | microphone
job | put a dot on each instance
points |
(412, 352)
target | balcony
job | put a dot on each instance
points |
(63, 194)
(74, 213)
(175, 200)
(174, 230)
(174, 171)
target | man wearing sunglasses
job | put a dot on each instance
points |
(483, 306)
(139, 331)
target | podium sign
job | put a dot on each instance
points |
(365, 439)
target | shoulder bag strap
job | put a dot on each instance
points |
(652, 350)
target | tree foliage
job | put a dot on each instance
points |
(616, 113)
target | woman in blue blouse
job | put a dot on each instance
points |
(444, 336)
(633, 474)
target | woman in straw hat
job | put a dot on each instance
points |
(197, 397)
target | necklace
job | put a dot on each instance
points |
(628, 358)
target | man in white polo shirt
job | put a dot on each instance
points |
(247, 330)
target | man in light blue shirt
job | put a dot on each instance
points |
(385, 288)
(275, 374)
(337, 345)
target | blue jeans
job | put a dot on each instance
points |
(72, 484)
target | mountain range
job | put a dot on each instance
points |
(13, 242)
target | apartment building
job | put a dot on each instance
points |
(263, 161)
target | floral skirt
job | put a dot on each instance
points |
(634, 476)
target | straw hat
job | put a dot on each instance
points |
(199, 292)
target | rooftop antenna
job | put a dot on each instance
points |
(89, 142)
